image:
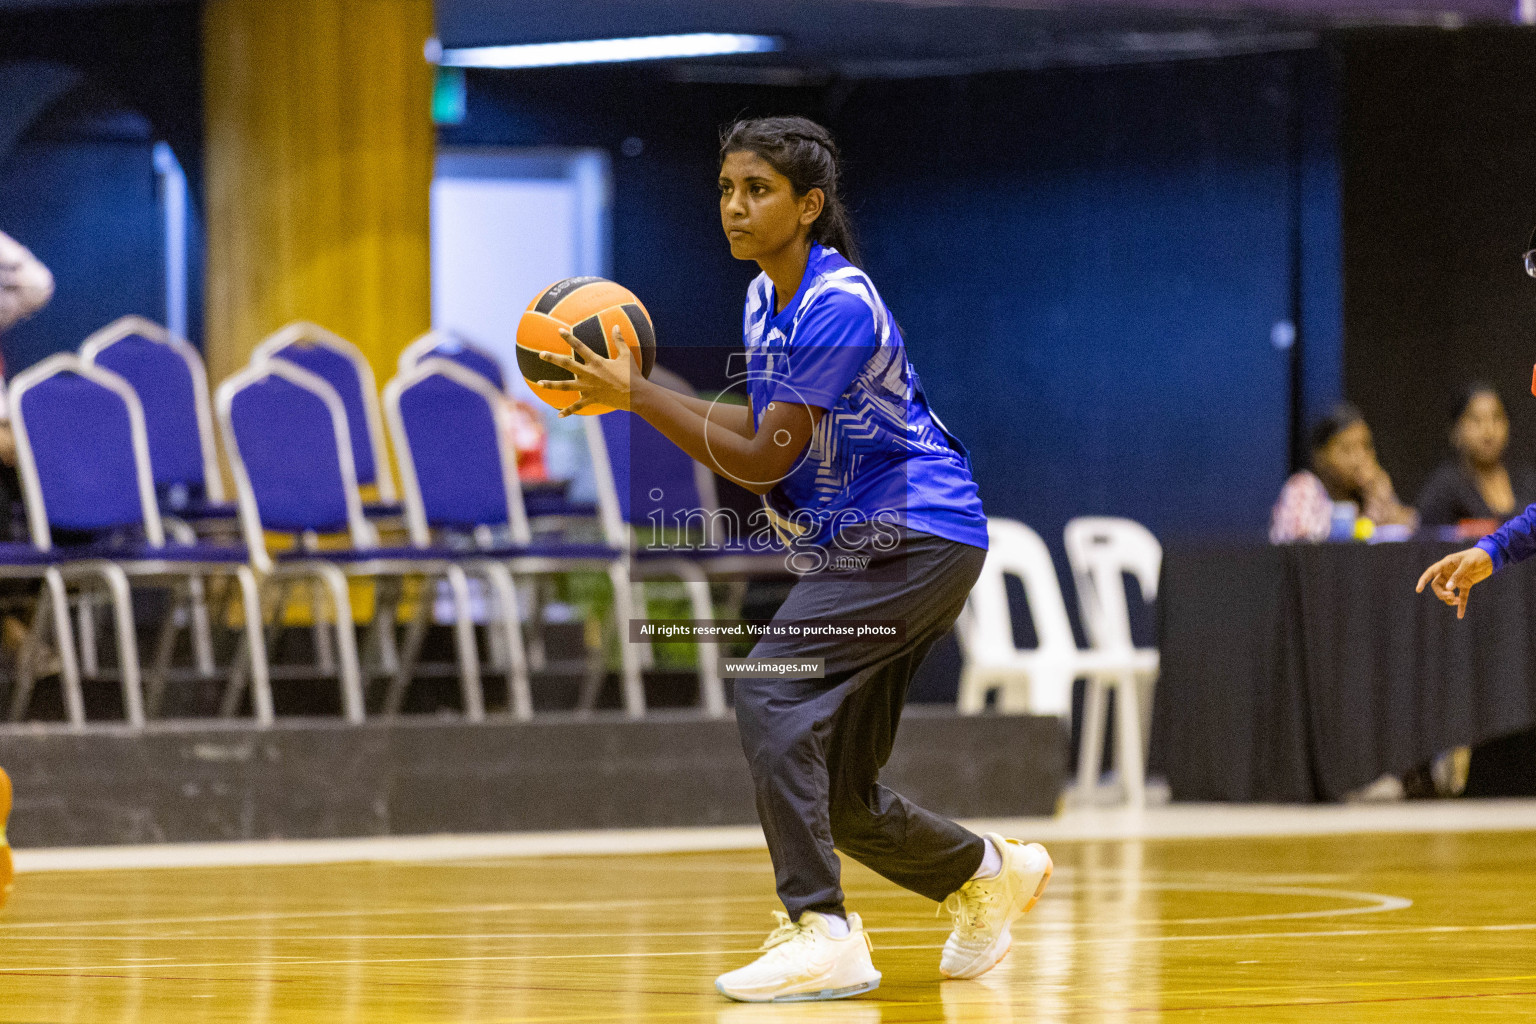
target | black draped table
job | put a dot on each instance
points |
(1299, 673)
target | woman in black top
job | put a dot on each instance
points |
(1477, 484)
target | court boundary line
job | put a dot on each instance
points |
(1175, 822)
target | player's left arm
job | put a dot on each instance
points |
(833, 342)
(756, 461)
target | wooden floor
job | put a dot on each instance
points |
(1341, 928)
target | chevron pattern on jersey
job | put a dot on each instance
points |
(872, 418)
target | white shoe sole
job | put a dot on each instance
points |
(805, 997)
(993, 954)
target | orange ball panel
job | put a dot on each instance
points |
(540, 332)
(537, 333)
(588, 299)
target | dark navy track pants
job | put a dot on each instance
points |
(816, 746)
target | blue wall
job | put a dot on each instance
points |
(1087, 265)
(88, 209)
(88, 92)
(1440, 197)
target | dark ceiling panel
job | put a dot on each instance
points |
(901, 37)
(36, 5)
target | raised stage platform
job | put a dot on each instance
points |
(191, 782)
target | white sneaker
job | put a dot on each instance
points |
(984, 908)
(801, 960)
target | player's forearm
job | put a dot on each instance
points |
(736, 418)
(704, 436)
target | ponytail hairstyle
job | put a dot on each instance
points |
(802, 151)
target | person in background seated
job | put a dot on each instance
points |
(1477, 484)
(1344, 469)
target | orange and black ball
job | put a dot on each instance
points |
(590, 308)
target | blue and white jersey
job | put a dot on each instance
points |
(879, 451)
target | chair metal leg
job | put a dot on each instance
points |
(234, 685)
(464, 640)
(165, 648)
(26, 661)
(1133, 769)
(1146, 686)
(972, 697)
(350, 676)
(127, 643)
(536, 655)
(256, 647)
(244, 659)
(497, 656)
(1016, 693)
(325, 651)
(374, 652)
(504, 592)
(63, 636)
(415, 636)
(284, 592)
(629, 654)
(90, 662)
(202, 630)
(386, 612)
(497, 648)
(1090, 748)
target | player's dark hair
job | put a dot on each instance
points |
(1339, 419)
(802, 151)
(1464, 398)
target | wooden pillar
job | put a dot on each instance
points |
(319, 165)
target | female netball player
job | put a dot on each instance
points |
(841, 444)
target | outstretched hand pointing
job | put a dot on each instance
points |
(1452, 578)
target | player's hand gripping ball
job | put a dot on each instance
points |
(590, 308)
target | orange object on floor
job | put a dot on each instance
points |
(7, 871)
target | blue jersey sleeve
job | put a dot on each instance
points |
(1513, 542)
(832, 342)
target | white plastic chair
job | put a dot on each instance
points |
(1036, 680)
(1102, 550)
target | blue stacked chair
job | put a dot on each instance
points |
(171, 382)
(343, 366)
(546, 502)
(454, 347)
(83, 457)
(458, 471)
(288, 439)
